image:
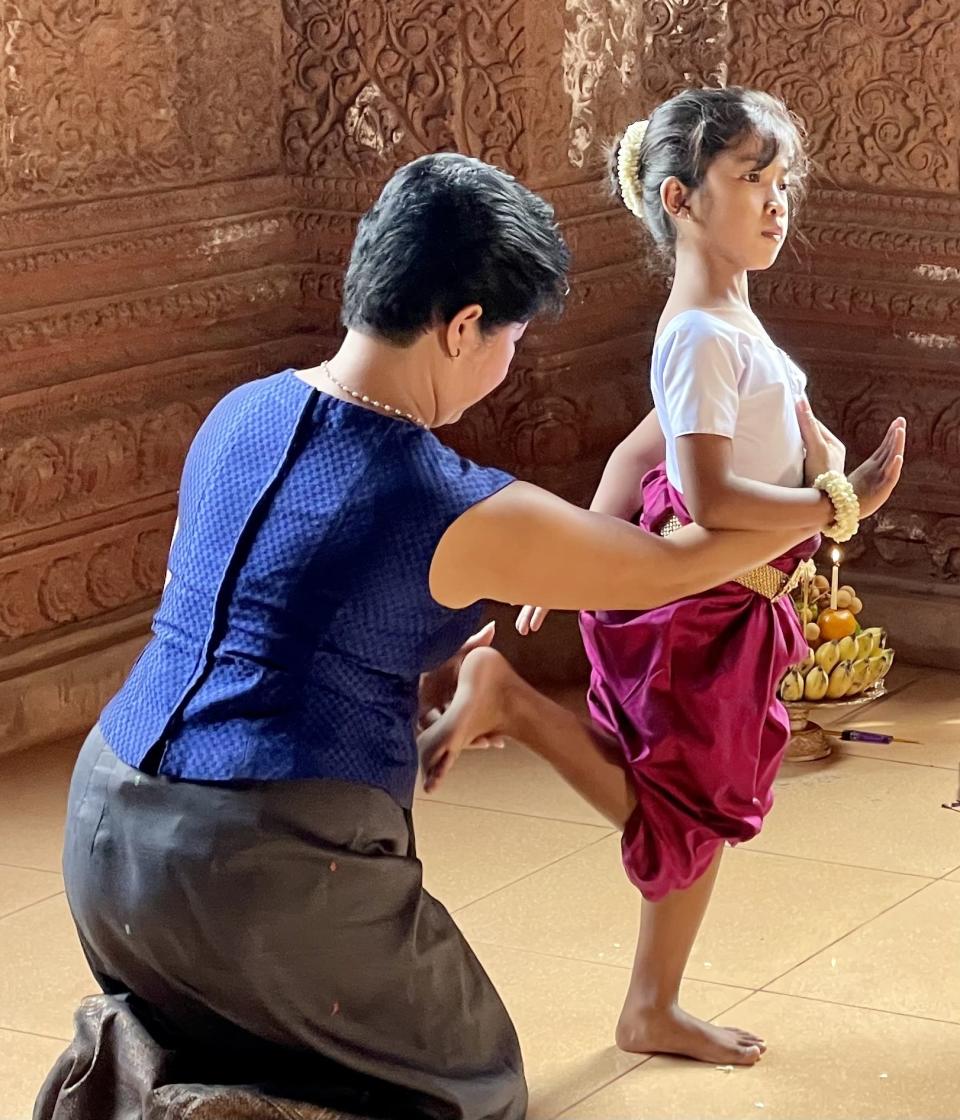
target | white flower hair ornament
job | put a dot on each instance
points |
(628, 167)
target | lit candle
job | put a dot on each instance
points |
(835, 582)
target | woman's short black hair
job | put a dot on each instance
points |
(448, 231)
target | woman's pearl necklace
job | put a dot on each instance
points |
(389, 409)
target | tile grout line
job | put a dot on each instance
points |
(754, 851)
(529, 874)
(849, 933)
(860, 1007)
(748, 989)
(600, 1088)
(34, 1034)
(508, 812)
(28, 867)
(551, 956)
(733, 1006)
(29, 905)
(894, 761)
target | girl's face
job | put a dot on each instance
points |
(740, 212)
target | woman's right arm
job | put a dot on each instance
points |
(525, 545)
(618, 493)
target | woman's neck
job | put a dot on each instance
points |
(398, 377)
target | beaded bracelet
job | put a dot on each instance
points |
(846, 505)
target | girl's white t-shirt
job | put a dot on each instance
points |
(710, 377)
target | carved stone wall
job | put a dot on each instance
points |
(147, 264)
(179, 184)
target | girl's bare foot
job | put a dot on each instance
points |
(673, 1031)
(478, 712)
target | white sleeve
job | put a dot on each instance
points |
(700, 379)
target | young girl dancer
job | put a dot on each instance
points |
(689, 690)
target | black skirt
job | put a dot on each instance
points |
(277, 935)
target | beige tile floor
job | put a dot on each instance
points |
(836, 934)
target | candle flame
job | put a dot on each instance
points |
(836, 555)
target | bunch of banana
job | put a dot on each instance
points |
(839, 669)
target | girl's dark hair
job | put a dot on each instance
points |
(448, 231)
(686, 133)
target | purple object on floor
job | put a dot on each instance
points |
(852, 736)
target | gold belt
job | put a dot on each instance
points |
(766, 580)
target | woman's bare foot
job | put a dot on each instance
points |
(674, 1031)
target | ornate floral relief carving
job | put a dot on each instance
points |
(371, 86)
(494, 83)
(601, 44)
(621, 57)
(80, 578)
(894, 244)
(107, 95)
(103, 459)
(109, 576)
(876, 82)
(97, 465)
(864, 417)
(164, 440)
(368, 84)
(857, 298)
(945, 436)
(208, 240)
(18, 604)
(545, 430)
(150, 559)
(205, 301)
(61, 591)
(33, 477)
(944, 548)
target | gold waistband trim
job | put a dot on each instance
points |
(766, 580)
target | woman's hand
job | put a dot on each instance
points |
(824, 451)
(875, 479)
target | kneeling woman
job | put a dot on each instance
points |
(239, 851)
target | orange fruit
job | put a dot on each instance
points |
(835, 625)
